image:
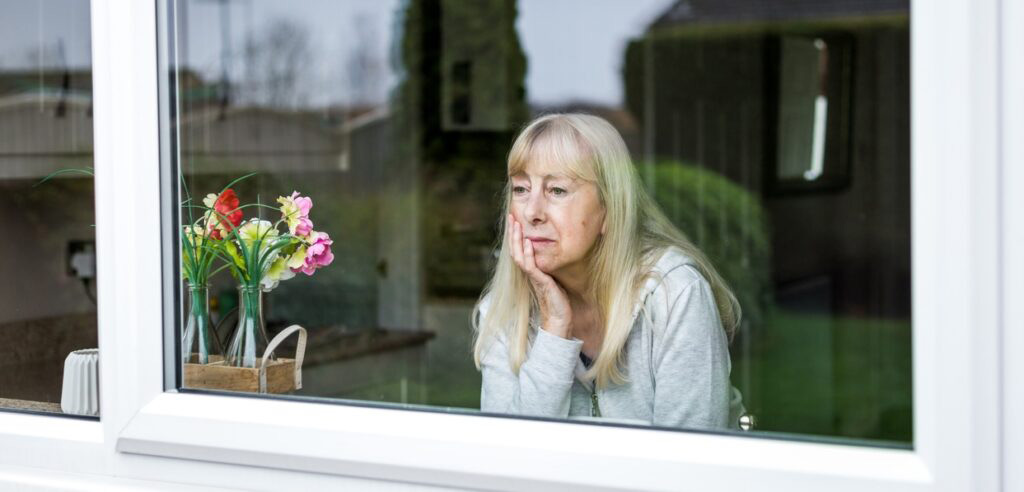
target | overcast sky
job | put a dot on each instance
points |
(574, 47)
(27, 25)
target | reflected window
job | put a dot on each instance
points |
(812, 126)
(803, 108)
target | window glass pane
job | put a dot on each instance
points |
(715, 195)
(48, 254)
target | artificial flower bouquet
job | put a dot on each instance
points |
(259, 253)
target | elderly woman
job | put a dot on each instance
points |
(599, 306)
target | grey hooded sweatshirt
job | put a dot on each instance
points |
(676, 362)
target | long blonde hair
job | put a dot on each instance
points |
(637, 231)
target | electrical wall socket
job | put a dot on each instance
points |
(81, 258)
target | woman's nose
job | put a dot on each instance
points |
(535, 208)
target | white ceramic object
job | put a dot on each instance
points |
(81, 392)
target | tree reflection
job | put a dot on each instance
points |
(278, 60)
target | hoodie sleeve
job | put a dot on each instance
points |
(690, 358)
(542, 387)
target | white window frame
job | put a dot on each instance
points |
(1011, 180)
(963, 203)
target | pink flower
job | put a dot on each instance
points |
(318, 253)
(295, 211)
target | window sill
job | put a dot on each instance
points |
(68, 444)
(479, 451)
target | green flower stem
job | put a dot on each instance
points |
(218, 270)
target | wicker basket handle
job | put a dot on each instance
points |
(300, 351)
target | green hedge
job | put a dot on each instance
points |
(726, 221)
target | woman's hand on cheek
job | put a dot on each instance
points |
(555, 311)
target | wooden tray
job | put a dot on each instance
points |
(270, 376)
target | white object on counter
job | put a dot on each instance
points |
(80, 394)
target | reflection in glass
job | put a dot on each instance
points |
(48, 251)
(775, 136)
(803, 108)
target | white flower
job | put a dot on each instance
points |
(276, 273)
(257, 229)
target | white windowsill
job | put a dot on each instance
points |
(74, 445)
(474, 451)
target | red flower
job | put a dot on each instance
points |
(227, 216)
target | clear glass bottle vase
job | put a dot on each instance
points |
(198, 338)
(250, 338)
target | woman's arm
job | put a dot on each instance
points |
(541, 388)
(690, 355)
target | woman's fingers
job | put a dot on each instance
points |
(530, 261)
(523, 254)
(555, 310)
(541, 281)
(518, 246)
(522, 251)
(515, 242)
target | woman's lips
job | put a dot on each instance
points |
(541, 242)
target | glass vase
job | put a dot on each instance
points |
(250, 338)
(198, 337)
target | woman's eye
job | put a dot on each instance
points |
(518, 190)
(558, 191)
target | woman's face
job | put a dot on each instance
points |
(561, 216)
